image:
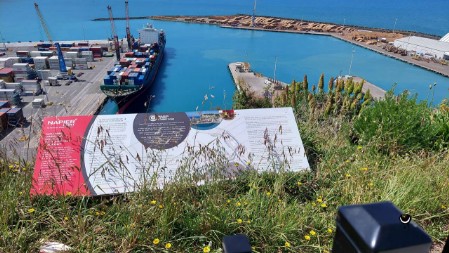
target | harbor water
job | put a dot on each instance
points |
(194, 73)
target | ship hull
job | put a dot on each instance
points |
(124, 102)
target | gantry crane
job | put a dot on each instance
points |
(114, 35)
(62, 67)
(128, 32)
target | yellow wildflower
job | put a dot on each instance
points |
(153, 202)
(228, 201)
(307, 237)
(329, 230)
(313, 204)
(287, 244)
(68, 194)
(323, 205)
(66, 218)
(319, 200)
(248, 221)
(370, 184)
(20, 193)
(168, 245)
(359, 147)
(161, 206)
(239, 221)
(364, 169)
(348, 175)
(443, 207)
(268, 193)
(312, 232)
(156, 241)
(299, 183)
(31, 210)
(238, 204)
(206, 249)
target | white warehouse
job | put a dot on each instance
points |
(424, 46)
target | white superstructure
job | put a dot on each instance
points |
(148, 35)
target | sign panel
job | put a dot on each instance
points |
(111, 154)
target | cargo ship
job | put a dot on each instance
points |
(135, 72)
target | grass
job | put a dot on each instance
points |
(280, 212)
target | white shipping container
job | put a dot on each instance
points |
(89, 58)
(7, 94)
(21, 66)
(43, 74)
(35, 53)
(8, 62)
(14, 59)
(71, 55)
(80, 60)
(40, 66)
(11, 86)
(40, 59)
(86, 53)
(29, 82)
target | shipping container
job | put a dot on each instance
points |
(35, 53)
(83, 44)
(23, 54)
(21, 67)
(15, 116)
(3, 121)
(107, 80)
(44, 74)
(47, 53)
(4, 104)
(6, 72)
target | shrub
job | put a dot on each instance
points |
(396, 124)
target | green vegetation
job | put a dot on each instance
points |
(360, 151)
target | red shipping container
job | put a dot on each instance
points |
(6, 72)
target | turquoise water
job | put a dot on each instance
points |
(197, 55)
(196, 63)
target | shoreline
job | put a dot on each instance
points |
(374, 39)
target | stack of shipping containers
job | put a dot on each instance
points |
(21, 71)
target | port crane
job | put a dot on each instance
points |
(128, 32)
(63, 74)
(114, 34)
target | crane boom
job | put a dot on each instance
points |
(114, 35)
(128, 32)
(44, 25)
(62, 65)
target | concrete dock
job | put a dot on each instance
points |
(245, 78)
(83, 97)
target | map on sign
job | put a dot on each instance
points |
(111, 154)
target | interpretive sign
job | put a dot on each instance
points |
(111, 154)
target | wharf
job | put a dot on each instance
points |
(244, 78)
(83, 97)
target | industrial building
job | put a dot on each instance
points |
(438, 49)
